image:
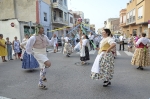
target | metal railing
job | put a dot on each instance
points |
(59, 20)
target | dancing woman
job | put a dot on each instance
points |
(38, 43)
(28, 60)
(141, 55)
(103, 67)
(84, 49)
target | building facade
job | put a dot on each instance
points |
(59, 16)
(21, 12)
(137, 16)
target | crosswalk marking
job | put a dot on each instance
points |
(128, 53)
(118, 53)
(92, 52)
(1, 97)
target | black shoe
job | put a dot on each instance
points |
(141, 68)
(21, 59)
(106, 83)
(138, 67)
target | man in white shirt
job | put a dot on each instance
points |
(55, 43)
(91, 38)
(121, 39)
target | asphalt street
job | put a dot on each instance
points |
(66, 80)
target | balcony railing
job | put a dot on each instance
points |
(131, 20)
(58, 4)
(59, 20)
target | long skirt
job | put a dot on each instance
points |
(29, 62)
(87, 56)
(103, 67)
(141, 57)
(67, 48)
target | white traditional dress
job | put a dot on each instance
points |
(37, 45)
(67, 46)
(84, 50)
(103, 67)
(141, 55)
(24, 41)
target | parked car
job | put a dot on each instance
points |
(116, 36)
(59, 41)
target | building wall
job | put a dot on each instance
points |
(45, 8)
(147, 10)
(8, 31)
(26, 10)
(140, 24)
(7, 6)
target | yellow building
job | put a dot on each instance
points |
(134, 19)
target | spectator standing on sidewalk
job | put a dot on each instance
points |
(121, 39)
(3, 51)
(9, 49)
(16, 48)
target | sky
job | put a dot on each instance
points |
(98, 11)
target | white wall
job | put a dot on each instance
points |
(8, 31)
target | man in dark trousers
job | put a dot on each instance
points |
(121, 39)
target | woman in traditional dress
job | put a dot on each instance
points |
(16, 48)
(23, 46)
(84, 49)
(9, 49)
(3, 51)
(36, 45)
(28, 60)
(141, 57)
(67, 46)
(103, 67)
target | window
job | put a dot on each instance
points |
(45, 16)
(120, 19)
(65, 2)
(60, 14)
(71, 20)
(134, 12)
(54, 0)
(65, 15)
(124, 19)
(140, 12)
(54, 15)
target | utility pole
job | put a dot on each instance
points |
(30, 30)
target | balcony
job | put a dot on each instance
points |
(59, 21)
(131, 20)
(122, 24)
(58, 5)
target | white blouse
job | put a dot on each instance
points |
(31, 41)
(110, 41)
(143, 40)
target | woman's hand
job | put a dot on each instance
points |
(108, 51)
(97, 48)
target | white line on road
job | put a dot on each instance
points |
(1, 97)
(128, 53)
(118, 53)
(92, 52)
